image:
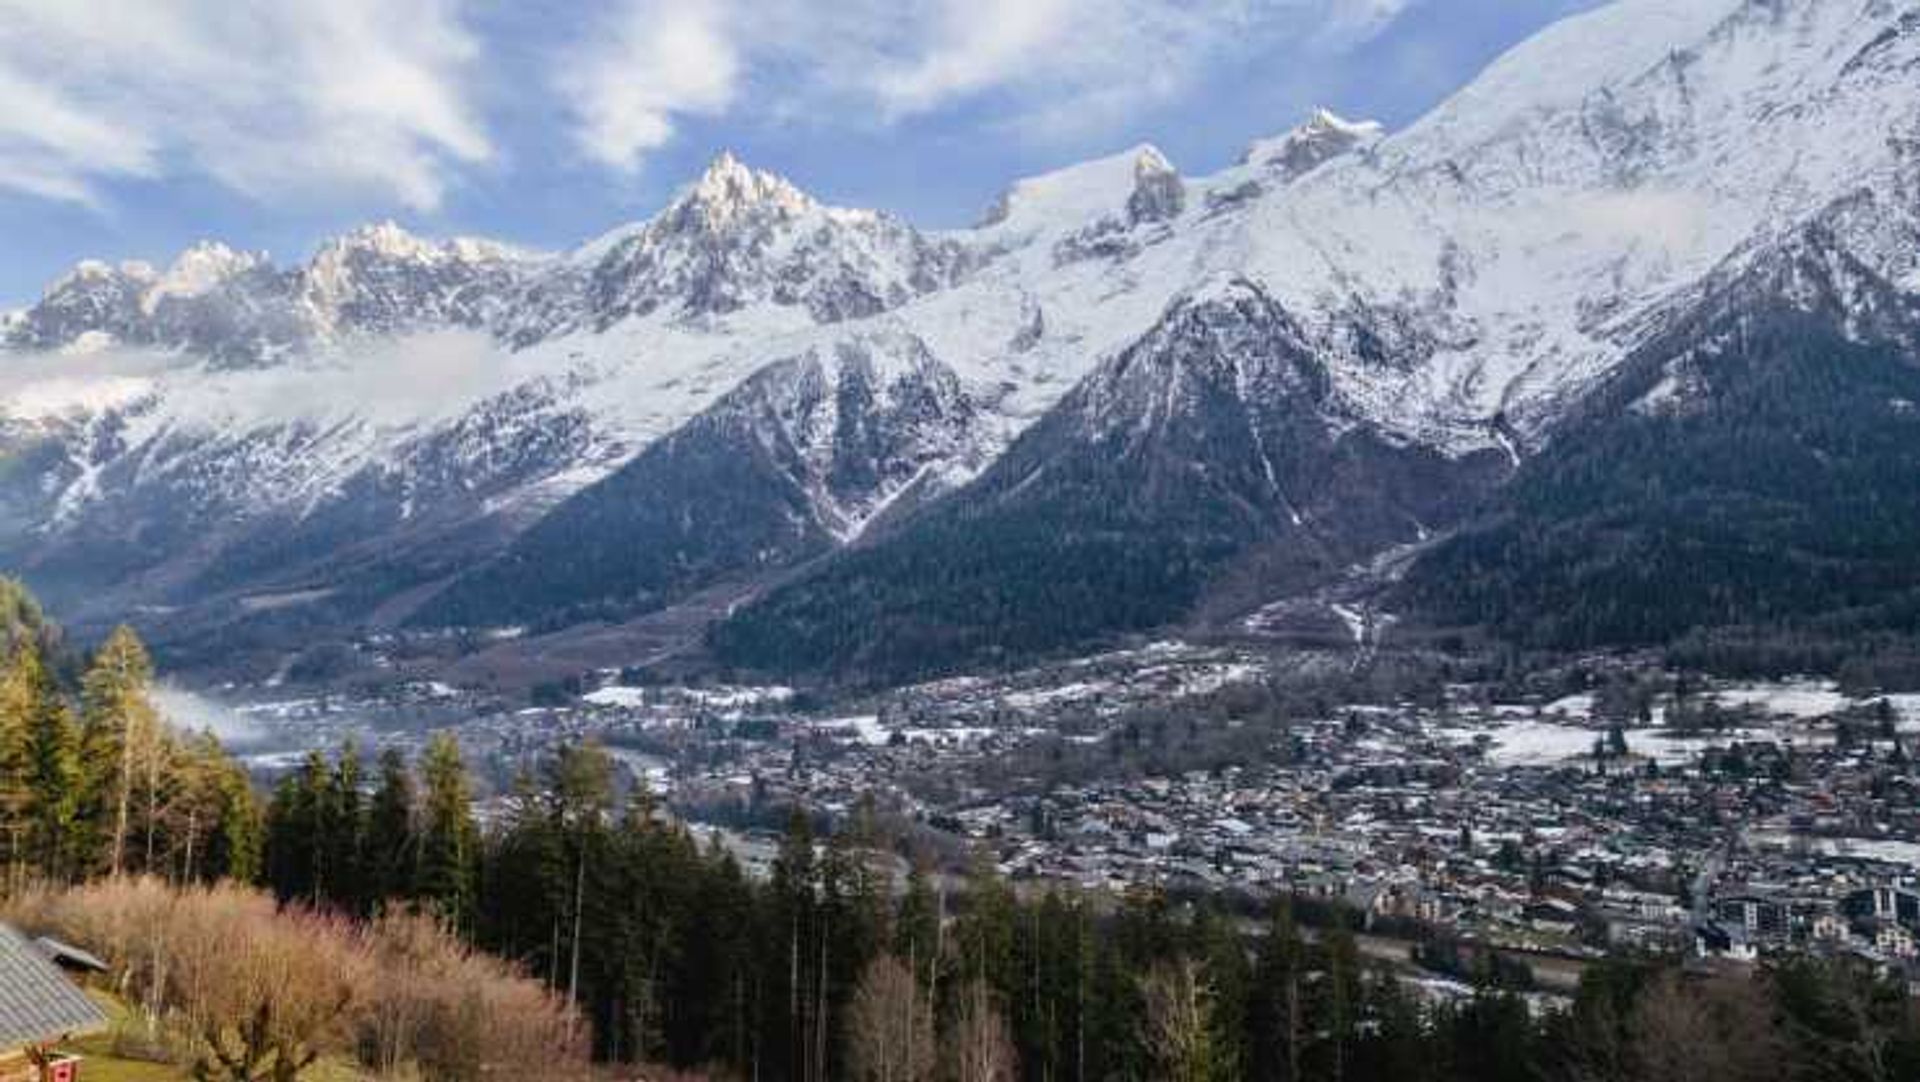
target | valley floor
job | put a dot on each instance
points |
(1613, 805)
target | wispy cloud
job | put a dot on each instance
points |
(653, 61)
(1043, 66)
(268, 98)
(1346, 23)
(352, 99)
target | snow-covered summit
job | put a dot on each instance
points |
(1071, 197)
(1158, 192)
(201, 269)
(738, 237)
(1325, 136)
(381, 279)
(729, 190)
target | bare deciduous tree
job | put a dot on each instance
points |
(1706, 1031)
(1179, 1035)
(981, 1050)
(889, 1031)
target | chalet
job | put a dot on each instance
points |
(39, 1008)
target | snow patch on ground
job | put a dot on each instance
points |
(1801, 699)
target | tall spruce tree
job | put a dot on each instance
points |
(449, 838)
(123, 739)
(234, 831)
(1276, 1004)
(789, 957)
(16, 793)
(53, 777)
(345, 830)
(391, 832)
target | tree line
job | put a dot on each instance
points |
(94, 783)
(841, 959)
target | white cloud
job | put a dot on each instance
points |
(660, 59)
(1048, 67)
(267, 97)
(1350, 22)
(970, 48)
(282, 99)
(410, 380)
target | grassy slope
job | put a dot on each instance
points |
(102, 1065)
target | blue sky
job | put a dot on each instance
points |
(136, 127)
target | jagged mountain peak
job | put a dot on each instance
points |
(1066, 199)
(88, 272)
(389, 241)
(386, 237)
(729, 187)
(383, 278)
(1158, 192)
(738, 236)
(201, 268)
(1227, 328)
(726, 192)
(1150, 160)
(1325, 136)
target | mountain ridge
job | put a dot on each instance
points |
(1463, 284)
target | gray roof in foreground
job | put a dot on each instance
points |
(66, 954)
(37, 1001)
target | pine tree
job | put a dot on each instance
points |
(391, 841)
(17, 708)
(303, 841)
(916, 931)
(345, 830)
(853, 919)
(1224, 955)
(288, 829)
(1398, 1045)
(984, 934)
(579, 791)
(449, 838)
(720, 957)
(53, 776)
(234, 836)
(1335, 1005)
(517, 905)
(790, 959)
(1276, 1008)
(122, 737)
(22, 623)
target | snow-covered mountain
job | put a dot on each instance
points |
(235, 438)
(1213, 443)
(806, 455)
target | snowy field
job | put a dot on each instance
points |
(1546, 743)
(1564, 731)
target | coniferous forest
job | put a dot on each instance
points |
(846, 957)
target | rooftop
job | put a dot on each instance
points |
(37, 1001)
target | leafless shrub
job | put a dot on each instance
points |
(255, 992)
